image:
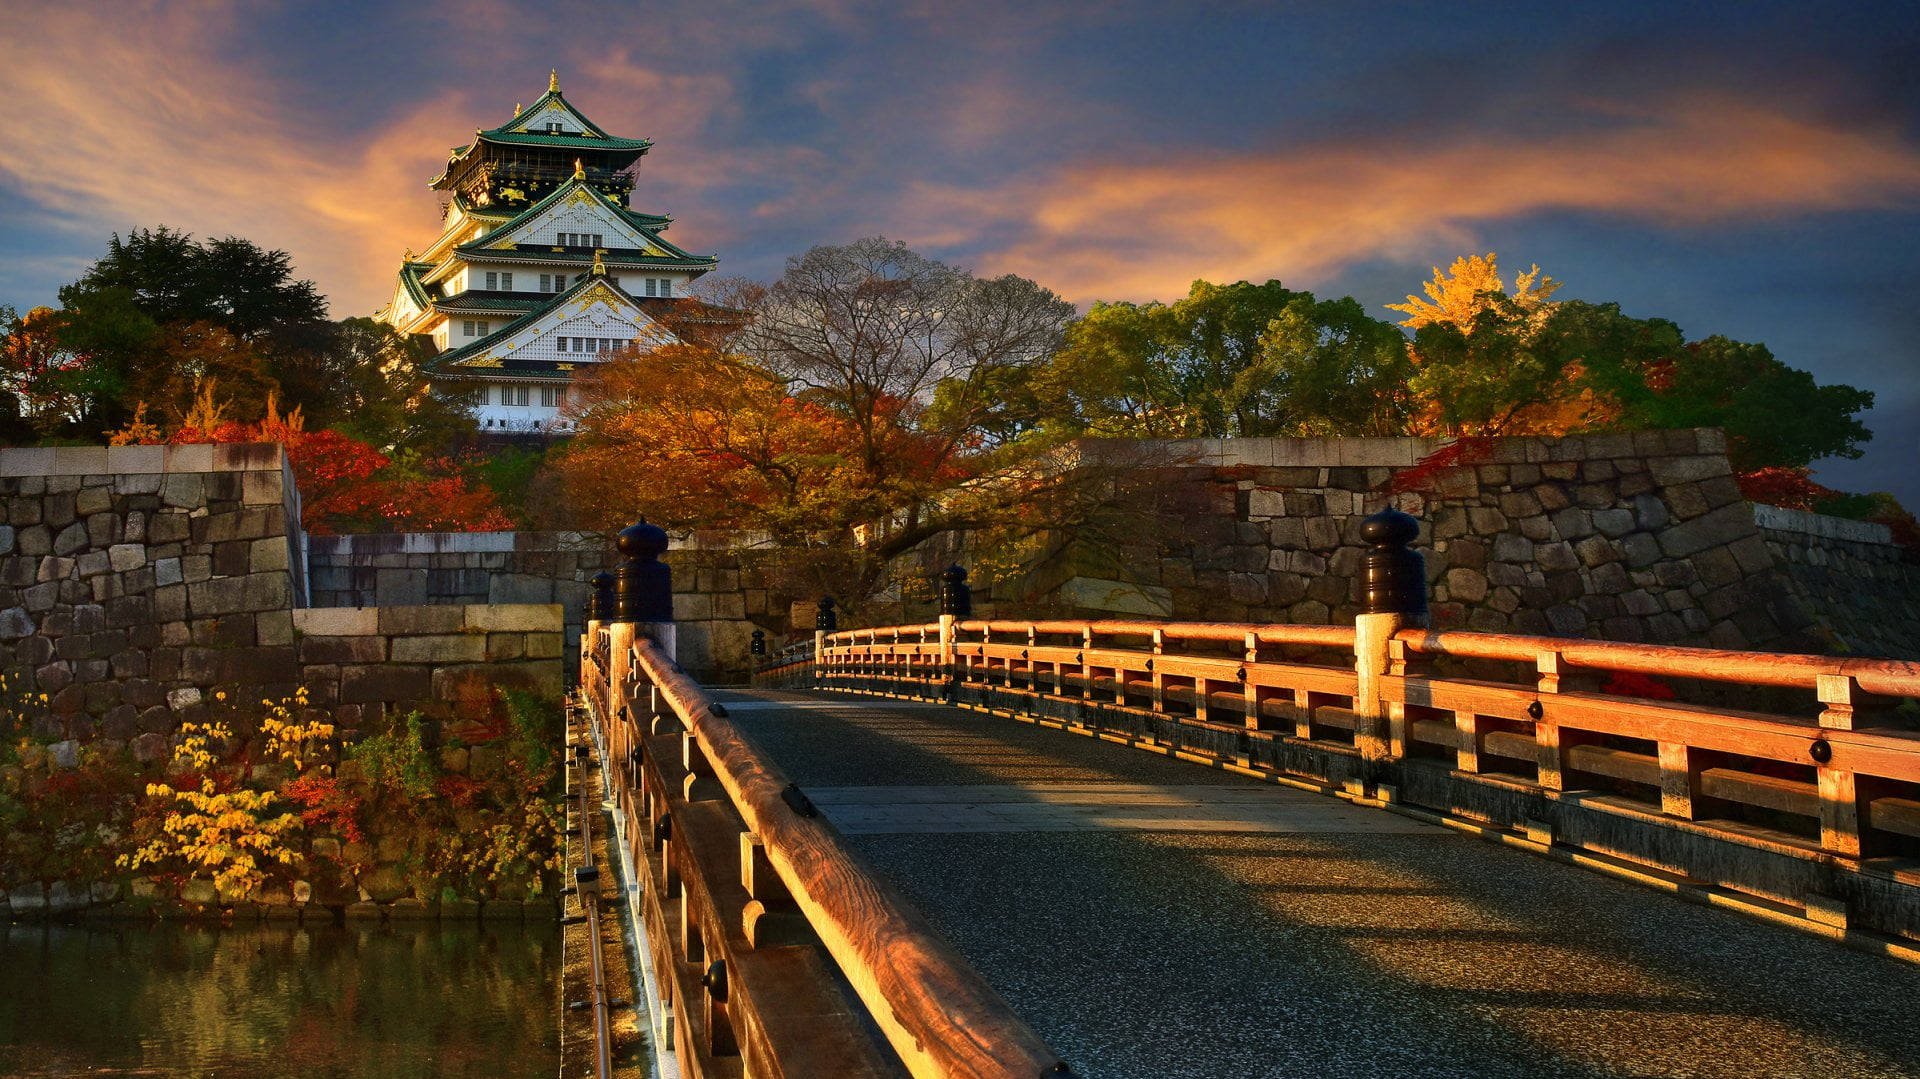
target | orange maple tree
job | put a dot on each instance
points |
(346, 485)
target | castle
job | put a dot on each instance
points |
(541, 269)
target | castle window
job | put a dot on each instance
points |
(493, 281)
(485, 328)
(651, 286)
(546, 282)
(597, 242)
(466, 328)
(666, 286)
(563, 344)
(553, 127)
(549, 397)
(506, 282)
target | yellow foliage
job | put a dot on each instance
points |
(139, 431)
(290, 737)
(230, 834)
(1459, 295)
(207, 412)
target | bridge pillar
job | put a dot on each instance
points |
(956, 602)
(1395, 599)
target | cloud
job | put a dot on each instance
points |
(171, 115)
(1146, 227)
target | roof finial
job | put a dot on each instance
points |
(553, 81)
(579, 170)
(599, 267)
(409, 255)
(516, 108)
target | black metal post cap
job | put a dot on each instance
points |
(642, 541)
(1390, 528)
(824, 616)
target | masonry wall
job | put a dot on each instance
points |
(133, 579)
(1636, 537)
(365, 663)
(718, 598)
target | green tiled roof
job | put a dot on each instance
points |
(410, 277)
(568, 142)
(643, 222)
(551, 97)
(475, 300)
(454, 356)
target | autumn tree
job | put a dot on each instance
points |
(860, 417)
(1472, 285)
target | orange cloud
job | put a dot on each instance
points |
(1147, 228)
(135, 117)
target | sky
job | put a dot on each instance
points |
(1749, 169)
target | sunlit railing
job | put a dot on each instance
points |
(1822, 762)
(751, 901)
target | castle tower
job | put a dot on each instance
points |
(540, 268)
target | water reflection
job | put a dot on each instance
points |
(270, 1001)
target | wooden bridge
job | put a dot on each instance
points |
(1008, 848)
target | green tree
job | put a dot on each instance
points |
(1227, 360)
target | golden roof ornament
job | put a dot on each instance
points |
(579, 170)
(553, 81)
(599, 267)
(516, 108)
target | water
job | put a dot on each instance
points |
(264, 1002)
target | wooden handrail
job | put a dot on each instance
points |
(1888, 677)
(1862, 787)
(941, 1017)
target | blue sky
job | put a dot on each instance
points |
(1749, 169)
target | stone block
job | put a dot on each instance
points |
(70, 540)
(506, 646)
(385, 682)
(445, 648)
(342, 649)
(261, 488)
(1117, 596)
(549, 645)
(400, 586)
(337, 621)
(1717, 528)
(274, 627)
(183, 490)
(514, 618)
(420, 620)
(126, 556)
(267, 592)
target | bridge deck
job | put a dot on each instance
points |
(1154, 918)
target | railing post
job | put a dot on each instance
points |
(824, 622)
(643, 588)
(956, 602)
(1396, 598)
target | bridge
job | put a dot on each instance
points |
(1025, 848)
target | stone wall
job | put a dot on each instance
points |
(717, 597)
(1638, 537)
(1862, 588)
(135, 578)
(366, 663)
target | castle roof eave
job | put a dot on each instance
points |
(453, 357)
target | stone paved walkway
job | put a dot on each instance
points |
(1156, 918)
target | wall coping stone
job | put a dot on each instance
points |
(1781, 519)
(141, 460)
(1399, 452)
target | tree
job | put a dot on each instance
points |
(1469, 287)
(1233, 360)
(863, 414)
(873, 330)
(231, 282)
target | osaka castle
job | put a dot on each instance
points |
(541, 268)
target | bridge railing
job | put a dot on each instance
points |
(757, 913)
(1240, 695)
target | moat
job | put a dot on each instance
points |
(263, 1002)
